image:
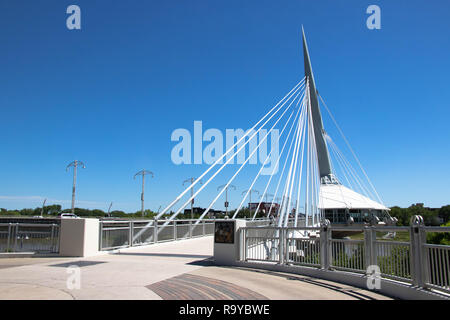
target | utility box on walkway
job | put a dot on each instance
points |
(226, 240)
(79, 237)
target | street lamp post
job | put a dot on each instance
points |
(109, 210)
(226, 196)
(42, 209)
(250, 198)
(191, 181)
(143, 173)
(75, 164)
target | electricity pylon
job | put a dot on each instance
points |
(75, 165)
(191, 180)
(143, 173)
(226, 196)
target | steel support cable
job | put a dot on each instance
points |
(301, 172)
(293, 170)
(284, 197)
(300, 178)
(353, 172)
(316, 177)
(338, 160)
(308, 167)
(351, 149)
(297, 87)
(293, 173)
(254, 181)
(282, 172)
(347, 167)
(345, 174)
(248, 191)
(249, 157)
(276, 164)
(285, 206)
(367, 194)
(235, 153)
(354, 175)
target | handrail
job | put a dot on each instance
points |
(414, 262)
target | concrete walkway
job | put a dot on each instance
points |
(172, 270)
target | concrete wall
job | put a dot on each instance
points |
(79, 237)
(225, 253)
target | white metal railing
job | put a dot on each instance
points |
(411, 260)
(120, 234)
(29, 237)
(436, 261)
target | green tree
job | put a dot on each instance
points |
(439, 237)
(444, 213)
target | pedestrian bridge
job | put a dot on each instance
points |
(169, 270)
(169, 261)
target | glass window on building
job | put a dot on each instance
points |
(356, 215)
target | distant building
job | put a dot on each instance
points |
(197, 210)
(264, 207)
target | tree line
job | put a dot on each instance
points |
(432, 216)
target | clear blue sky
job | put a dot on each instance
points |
(112, 93)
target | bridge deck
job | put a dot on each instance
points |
(173, 270)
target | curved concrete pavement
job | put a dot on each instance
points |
(152, 272)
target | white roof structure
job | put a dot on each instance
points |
(337, 196)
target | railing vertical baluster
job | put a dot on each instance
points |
(280, 245)
(16, 235)
(101, 236)
(155, 231)
(130, 233)
(8, 240)
(174, 229)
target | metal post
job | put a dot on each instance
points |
(281, 239)
(424, 256)
(325, 239)
(245, 243)
(130, 233)
(73, 186)
(143, 173)
(191, 181)
(204, 228)
(75, 165)
(52, 237)
(142, 195)
(286, 246)
(174, 229)
(190, 229)
(367, 247)
(16, 235)
(226, 204)
(373, 246)
(250, 199)
(101, 236)
(416, 251)
(8, 241)
(155, 231)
